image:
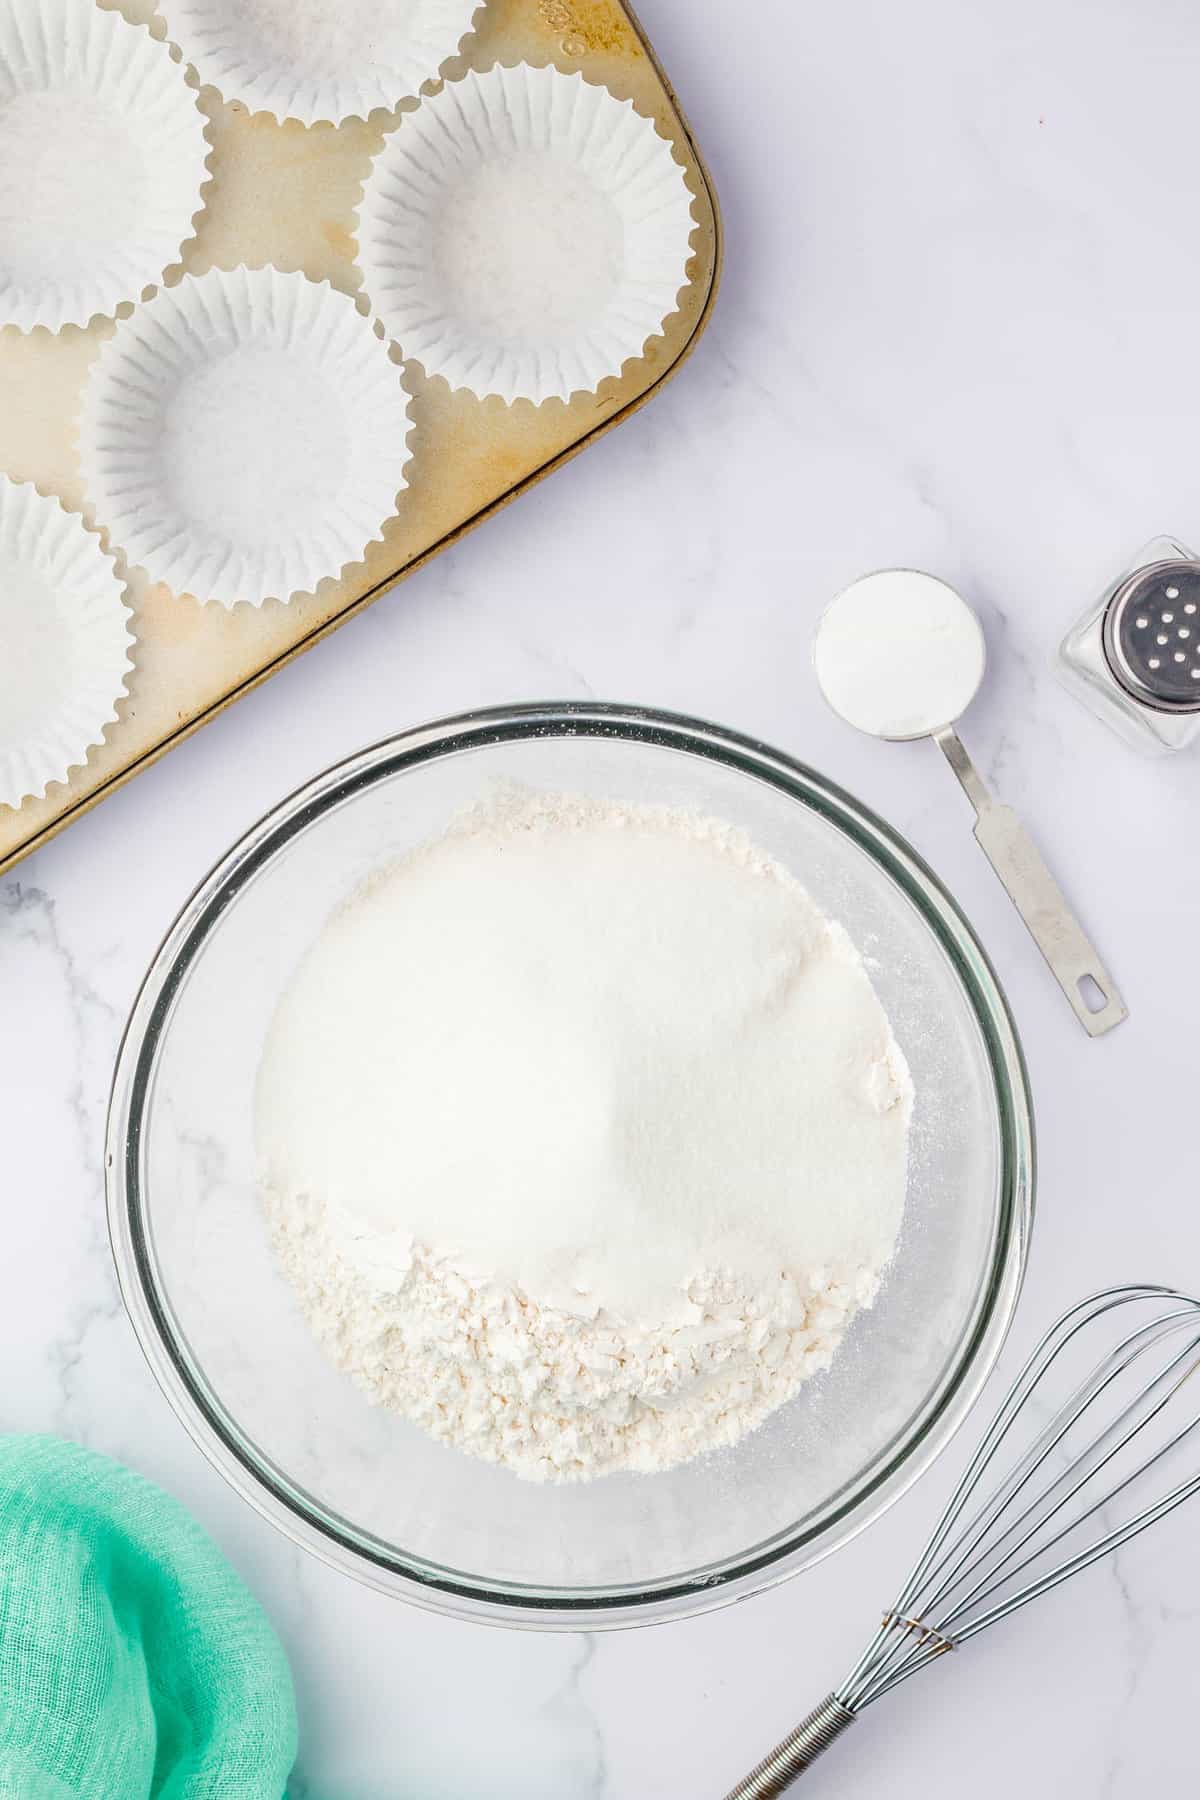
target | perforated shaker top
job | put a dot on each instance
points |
(1152, 636)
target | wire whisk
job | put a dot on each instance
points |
(1050, 1490)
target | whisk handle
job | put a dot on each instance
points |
(798, 1751)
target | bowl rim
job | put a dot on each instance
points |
(371, 1560)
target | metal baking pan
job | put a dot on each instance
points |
(286, 195)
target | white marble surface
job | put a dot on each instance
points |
(957, 330)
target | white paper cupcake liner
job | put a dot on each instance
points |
(317, 60)
(524, 233)
(64, 642)
(102, 158)
(244, 435)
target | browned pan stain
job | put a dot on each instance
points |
(284, 194)
(588, 25)
(177, 621)
(340, 241)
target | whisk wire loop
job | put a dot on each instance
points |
(964, 1578)
(1095, 1456)
(1044, 1470)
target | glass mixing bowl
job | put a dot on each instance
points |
(369, 1492)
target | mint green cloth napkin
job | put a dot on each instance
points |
(134, 1664)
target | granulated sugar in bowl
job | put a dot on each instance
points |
(570, 1163)
(584, 1135)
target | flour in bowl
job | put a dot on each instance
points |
(583, 1135)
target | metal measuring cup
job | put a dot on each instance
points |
(900, 654)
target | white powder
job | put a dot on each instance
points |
(583, 1135)
(899, 654)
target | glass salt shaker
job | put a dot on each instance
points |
(1134, 658)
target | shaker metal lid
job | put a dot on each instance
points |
(1152, 635)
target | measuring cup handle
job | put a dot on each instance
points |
(1057, 932)
(1031, 887)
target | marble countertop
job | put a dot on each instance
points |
(957, 331)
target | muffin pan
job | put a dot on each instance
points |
(452, 429)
